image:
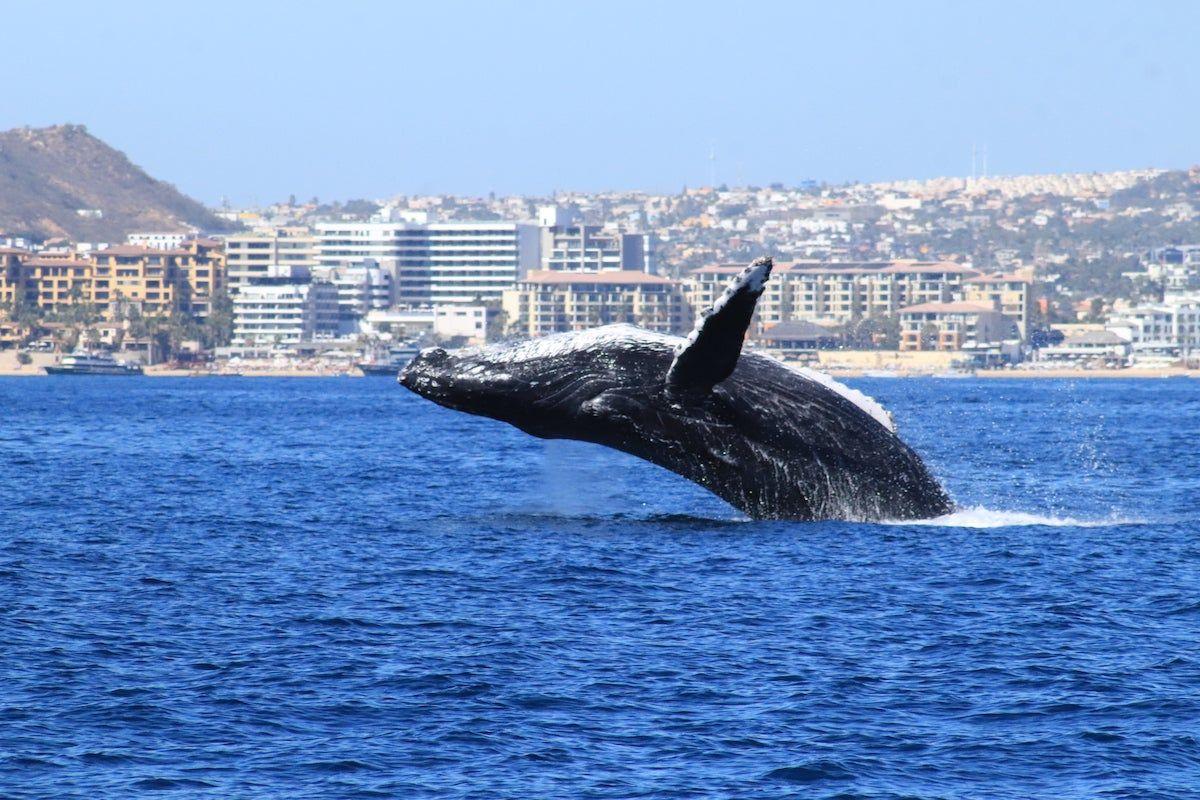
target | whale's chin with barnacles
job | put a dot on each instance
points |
(775, 441)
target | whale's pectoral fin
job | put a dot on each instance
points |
(711, 352)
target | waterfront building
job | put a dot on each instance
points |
(797, 338)
(955, 325)
(13, 282)
(547, 302)
(399, 323)
(199, 273)
(835, 293)
(157, 281)
(12, 334)
(470, 323)
(436, 263)
(1011, 293)
(1166, 330)
(250, 256)
(57, 282)
(134, 274)
(272, 314)
(1102, 346)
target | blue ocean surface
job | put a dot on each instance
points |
(244, 587)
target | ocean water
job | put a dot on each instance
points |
(331, 588)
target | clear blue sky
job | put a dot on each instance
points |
(258, 100)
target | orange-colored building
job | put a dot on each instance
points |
(157, 281)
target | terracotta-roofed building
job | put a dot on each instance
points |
(1011, 293)
(12, 276)
(545, 302)
(836, 292)
(160, 280)
(953, 325)
(135, 274)
(54, 282)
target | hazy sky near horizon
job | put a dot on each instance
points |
(258, 100)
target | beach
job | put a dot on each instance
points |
(11, 367)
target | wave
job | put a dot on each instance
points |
(980, 517)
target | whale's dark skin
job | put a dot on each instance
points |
(762, 436)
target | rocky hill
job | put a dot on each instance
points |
(62, 181)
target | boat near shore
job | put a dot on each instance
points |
(92, 364)
(390, 362)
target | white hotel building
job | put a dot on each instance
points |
(1166, 330)
(436, 263)
(260, 255)
(272, 314)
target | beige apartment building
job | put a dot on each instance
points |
(834, 293)
(252, 256)
(952, 326)
(200, 272)
(133, 273)
(56, 282)
(1011, 293)
(155, 279)
(545, 302)
(12, 277)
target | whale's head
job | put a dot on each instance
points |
(543, 386)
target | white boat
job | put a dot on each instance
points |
(390, 364)
(92, 364)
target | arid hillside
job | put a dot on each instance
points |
(62, 181)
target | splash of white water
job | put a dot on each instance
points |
(979, 517)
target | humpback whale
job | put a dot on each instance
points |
(775, 441)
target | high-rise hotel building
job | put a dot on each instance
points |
(261, 255)
(436, 263)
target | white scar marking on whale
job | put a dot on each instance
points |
(865, 402)
(752, 277)
(561, 344)
(623, 335)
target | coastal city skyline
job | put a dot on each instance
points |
(1093, 270)
(398, 98)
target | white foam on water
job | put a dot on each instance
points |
(979, 517)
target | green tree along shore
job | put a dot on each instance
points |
(75, 324)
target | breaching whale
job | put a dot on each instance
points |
(775, 441)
